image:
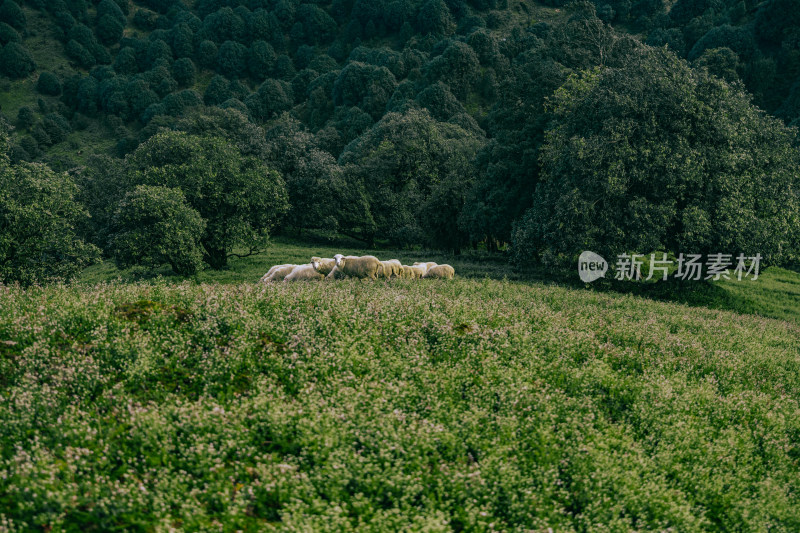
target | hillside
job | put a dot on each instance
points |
(477, 405)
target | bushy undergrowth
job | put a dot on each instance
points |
(419, 406)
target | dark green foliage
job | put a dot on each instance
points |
(18, 154)
(239, 198)
(110, 9)
(109, 30)
(776, 20)
(435, 17)
(737, 39)
(232, 59)
(16, 61)
(139, 97)
(182, 39)
(80, 54)
(458, 66)
(25, 117)
(38, 214)
(49, 84)
(86, 95)
(184, 72)
(207, 54)
(400, 162)
(673, 38)
(39, 133)
(261, 60)
(157, 52)
(721, 62)
(366, 86)
(300, 84)
(154, 225)
(622, 174)
(161, 81)
(56, 126)
(439, 101)
(177, 103)
(78, 9)
(272, 98)
(144, 20)
(217, 91)
(8, 34)
(125, 62)
(84, 36)
(315, 183)
(283, 68)
(224, 25)
(30, 146)
(318, 26)
(12, 14)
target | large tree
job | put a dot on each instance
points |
(154, 225)
(238, 197)
(656, 156)
(402, 162)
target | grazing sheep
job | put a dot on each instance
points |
(440, 272)
(429, 265)
(305, 272)
(277, 273)
(391, 269)
(335, 274)
(413, 272)
(323, 266)
(364, 267)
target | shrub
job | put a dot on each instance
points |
(25, 117)
(207, 54)
(261, 60)
(109, 30)
(125, 62)
(11, 14)
(184, 72)
(232, 59)
(16, 61)
(79, 53)
(8, 34)
(48, 84)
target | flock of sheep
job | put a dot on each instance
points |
(351, 266)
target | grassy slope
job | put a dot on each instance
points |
(776, 294)
(474, 404)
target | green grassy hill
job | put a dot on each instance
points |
(471, 405)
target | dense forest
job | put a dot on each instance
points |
(181, 133)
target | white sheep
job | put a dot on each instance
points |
(413, 271)
(323, 265)
(364, 267)
(391, 269)
(305, 272)
(277, 273)
(426, 266)
(440, 272)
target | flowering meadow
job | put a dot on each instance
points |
(468, 405)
